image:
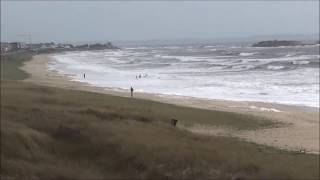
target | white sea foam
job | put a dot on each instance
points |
(234, 47)
(287, 58)
(134, 48)
(185, 58)
(290, 54)
(209, 46)
(300, 62)
(265, 109)
(275, 67)
(247, 54)
(171, 47)
(213, 76)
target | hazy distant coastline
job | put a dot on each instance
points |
(278, 43)
(12, 47)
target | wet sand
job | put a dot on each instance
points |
(301, 132)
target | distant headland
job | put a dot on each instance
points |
(277, 43)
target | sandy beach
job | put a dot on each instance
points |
(301, 131)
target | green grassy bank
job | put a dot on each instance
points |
(52, 133)
(10, 65)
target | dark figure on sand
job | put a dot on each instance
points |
(131, 89)
(174, 122)
(84, 75)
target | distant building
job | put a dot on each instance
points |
(23, 45)
(13, 46)
(5, 47)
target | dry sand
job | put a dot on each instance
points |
(302, 132)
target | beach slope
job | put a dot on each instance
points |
(63, 133)
(297, 128)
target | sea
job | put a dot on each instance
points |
(284, 75)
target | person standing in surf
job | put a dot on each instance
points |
(131, 89)
(84, 75)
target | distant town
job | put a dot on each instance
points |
(9, 47)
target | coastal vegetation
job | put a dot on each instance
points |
(10, 65)
(53, 133)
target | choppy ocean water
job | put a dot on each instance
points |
(286, 75)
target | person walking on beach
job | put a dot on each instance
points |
(84, 75)
(131, 89)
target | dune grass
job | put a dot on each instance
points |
(52, 133)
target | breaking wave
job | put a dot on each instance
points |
(282, 75)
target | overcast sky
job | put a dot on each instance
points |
(101, 21)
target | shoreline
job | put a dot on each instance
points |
(301, 133)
